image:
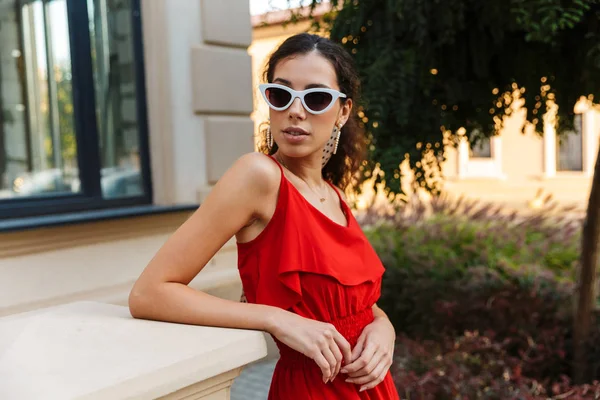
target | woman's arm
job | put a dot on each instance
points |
(378, 312)
(161, 292)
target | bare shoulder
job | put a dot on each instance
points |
(236, 199)
(255, 170)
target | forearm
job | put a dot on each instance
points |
(175, 302)
(378, 312)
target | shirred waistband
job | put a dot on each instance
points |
(350, 327)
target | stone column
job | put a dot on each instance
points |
(496, 151)
(199, 80)
(590, 143)
(463, 157)
(549, 150)
(222, 84)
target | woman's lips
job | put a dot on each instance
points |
(294, 130)
(295, 134)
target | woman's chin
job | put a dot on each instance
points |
(295, 151)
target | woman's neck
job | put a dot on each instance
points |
(307, 169)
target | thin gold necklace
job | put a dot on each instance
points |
(321, 199)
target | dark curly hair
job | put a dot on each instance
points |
(342, 169)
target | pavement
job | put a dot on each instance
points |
(254, 381)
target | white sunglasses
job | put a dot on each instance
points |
(315, 100)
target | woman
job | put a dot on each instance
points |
(310, 276)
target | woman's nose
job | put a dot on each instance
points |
(296, 109)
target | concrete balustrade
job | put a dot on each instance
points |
(90, 350)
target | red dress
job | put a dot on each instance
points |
(306, 263)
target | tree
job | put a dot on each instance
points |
(586, 280)
(433, 66)
(430, 67)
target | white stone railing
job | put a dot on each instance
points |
(89, 350)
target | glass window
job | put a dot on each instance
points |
(61, 144)
(38, 152)
(481, 148)
(569, 147)
(116, 97)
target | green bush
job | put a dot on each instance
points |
(454, 237)
(459, 253)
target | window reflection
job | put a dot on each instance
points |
(116, 103)
(38, 147)
(38, 152)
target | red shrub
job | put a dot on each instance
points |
(474, 366)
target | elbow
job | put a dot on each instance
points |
(139, 300)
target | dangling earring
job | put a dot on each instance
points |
(337, 138)
(331, 146)
(269, 138)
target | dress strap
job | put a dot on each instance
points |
(276, 162)
(283, 178)
(336, 191)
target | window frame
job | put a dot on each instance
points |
(86, 126)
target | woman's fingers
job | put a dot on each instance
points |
(370, 372)
(334, 349)
(358, 349)
(330, 357)
(344, 347)
(377, 380)
(324, 342)
(361, 362)
(323, 365)
(338, 357)
(367, 371)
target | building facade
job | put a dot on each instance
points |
(116, 119)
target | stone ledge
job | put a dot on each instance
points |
(98, 351)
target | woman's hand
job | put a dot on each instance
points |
(373, 354)
(317, 340)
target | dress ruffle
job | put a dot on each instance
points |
(295, 242)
